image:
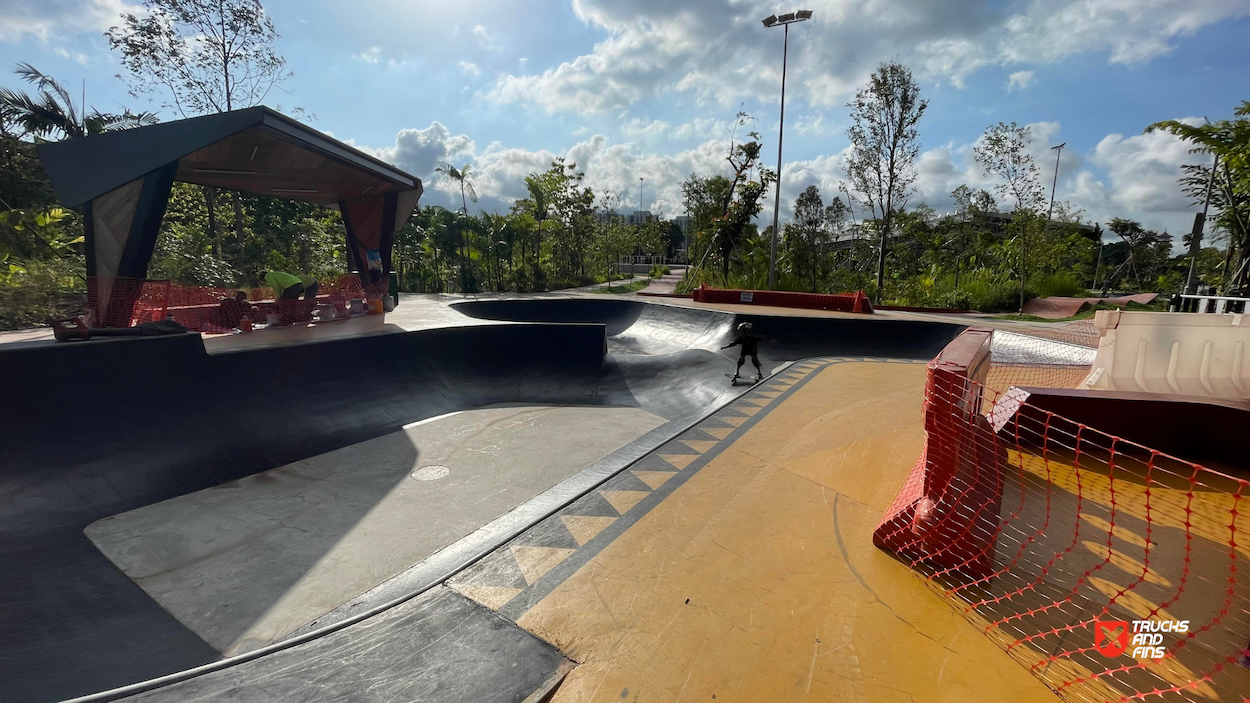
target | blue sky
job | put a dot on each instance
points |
(630, 88)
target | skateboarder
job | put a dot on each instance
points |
(750, 347)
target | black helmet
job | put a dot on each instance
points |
(745, 327)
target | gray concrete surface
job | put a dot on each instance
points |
(245, 563)
(404, 654)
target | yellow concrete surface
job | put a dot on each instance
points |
(757, 579)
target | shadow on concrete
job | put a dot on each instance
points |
(104, 427)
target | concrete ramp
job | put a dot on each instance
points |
(435, 648)
(103, 428)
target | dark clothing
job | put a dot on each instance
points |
(233, 311)
(750, 344)
(310, 291)
(292, 292)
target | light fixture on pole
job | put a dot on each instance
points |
(784, 21)
(1055, 184)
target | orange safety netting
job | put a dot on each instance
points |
(1053, 538)
(201, 308)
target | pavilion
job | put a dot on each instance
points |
(122, 180)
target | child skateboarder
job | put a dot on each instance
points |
(750, 347)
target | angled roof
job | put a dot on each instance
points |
(256, 150)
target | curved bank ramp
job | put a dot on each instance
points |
(100, 429)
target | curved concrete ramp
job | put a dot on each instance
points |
(108, 427)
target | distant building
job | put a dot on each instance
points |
(683, 223)
(604, 217)
(640, 217)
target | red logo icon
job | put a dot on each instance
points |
(1107, 640)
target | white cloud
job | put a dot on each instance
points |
(647, 127)
(48, 20)
(1132, 177)
(470, 69)
(370, 55)
(702, 127)
(484, 37)
(814, 125)
(419, 151)
(716, 50)
(1020, 80)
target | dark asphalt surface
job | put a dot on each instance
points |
(96, 429)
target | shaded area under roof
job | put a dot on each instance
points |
(256, 150)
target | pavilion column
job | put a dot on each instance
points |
(371, 223)
(120, 228)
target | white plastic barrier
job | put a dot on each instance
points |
(1174, 353)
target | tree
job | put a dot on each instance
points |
(1146, 253)
(732, 204)
(461, 176)
(203, 56)
(1229, 142)
(1003, 153)
(807, 235)
(884, 146)
(51, 113)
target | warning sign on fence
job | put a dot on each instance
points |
(747, 296)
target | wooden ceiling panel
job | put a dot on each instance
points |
(258, 161)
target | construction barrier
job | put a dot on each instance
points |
(842, 302)
(1161, 352)
(1113, 571)
(200, 308)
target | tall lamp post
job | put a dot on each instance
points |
(1024, 266)
(781, 21)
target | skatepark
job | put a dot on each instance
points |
(514, 499)
(572, 497)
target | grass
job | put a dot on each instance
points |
(630, 287)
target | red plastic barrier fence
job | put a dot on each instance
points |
(1113, 571)
(842, 302)
(199, 308)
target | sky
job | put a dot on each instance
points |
(630, 89)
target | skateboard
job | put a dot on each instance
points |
(742, 379)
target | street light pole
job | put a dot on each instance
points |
(785, 21)
(1195, 237)
(1055, 184)
(1024, 231)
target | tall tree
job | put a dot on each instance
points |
(201, 56)
(1229, 141)
(884, 138)
(732, 203)
(460, 176)
(51, 113)
(1003, 152)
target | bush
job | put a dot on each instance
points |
(658, 270)
(1061, 283)
(30, 295)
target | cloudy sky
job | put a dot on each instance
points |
(648, 88)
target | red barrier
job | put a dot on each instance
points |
(930, 522)
(198, 308)
(842, 302)
(1052, 536)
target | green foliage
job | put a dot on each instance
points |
(202, 56)
(51, 111)
(1229, 142)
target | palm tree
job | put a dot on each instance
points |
(51, 111)
(1229, 142)
(462, 176)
